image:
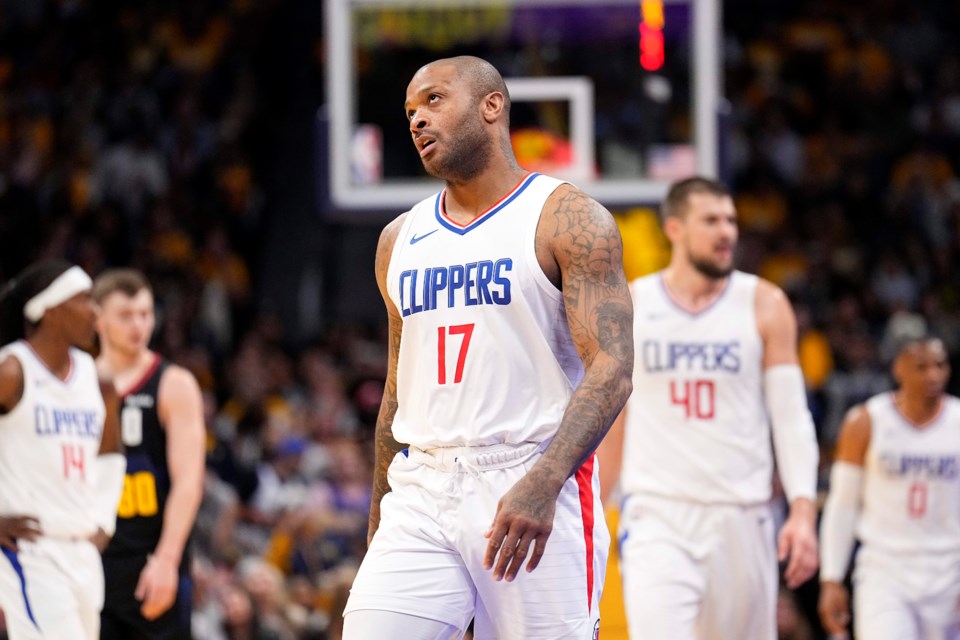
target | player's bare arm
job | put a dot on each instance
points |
(839, 519)
(385, 447)
(14, 527)
(11, 383)
(180, 409)
(794, 438)
(579, 247)
(110, 440)
(854, 438)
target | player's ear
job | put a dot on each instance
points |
(97, 317)
(898, 368)
(672, 227)
(491, 106)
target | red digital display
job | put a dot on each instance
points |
(651, 34)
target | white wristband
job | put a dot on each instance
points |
(839, 523)
(794, 437)
(108, 487)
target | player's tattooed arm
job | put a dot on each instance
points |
(579, 248)
(589, 253)
(385, 446)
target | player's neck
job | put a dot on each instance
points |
(918, 410)
(690, 288)
(53, 350)
(464, 201)
(123, 365)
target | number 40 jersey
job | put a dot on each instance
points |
(486, 355)
(697, 426)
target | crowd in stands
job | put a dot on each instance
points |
(134, 134)
(844, 157)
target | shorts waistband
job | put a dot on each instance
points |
(69, 535)
(496, 456)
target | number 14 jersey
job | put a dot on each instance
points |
(49, 444)
(486, 355)
(697, 427)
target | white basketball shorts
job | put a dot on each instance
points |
(426, 558)
(698, 572)
(52, 588)
(906, 596)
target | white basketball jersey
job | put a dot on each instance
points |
(697, 426)
(911, 490)
(49, 444)
(486, 355)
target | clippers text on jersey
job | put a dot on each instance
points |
(470, 284)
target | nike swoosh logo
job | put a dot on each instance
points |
(415, 239)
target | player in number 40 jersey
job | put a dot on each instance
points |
(895, 485)
(715, 380)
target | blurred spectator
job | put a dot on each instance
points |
(858, 377)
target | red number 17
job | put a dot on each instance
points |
(465, 330)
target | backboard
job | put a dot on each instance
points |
(618, 96)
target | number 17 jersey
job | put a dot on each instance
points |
(697, 427)
(486, 356)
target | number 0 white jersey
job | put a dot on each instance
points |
(49, 444)
(697, 427)
(911, 491)
(486, 355)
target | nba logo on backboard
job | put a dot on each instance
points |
(596, 630)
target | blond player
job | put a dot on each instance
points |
(61, 470)
(510, 355)
(895, 485)
(716, 375)
(147, 563)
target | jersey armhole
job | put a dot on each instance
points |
(401, 238)
(531, 248)
(746, 278)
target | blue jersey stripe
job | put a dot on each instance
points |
(486, 215)
(15, 561)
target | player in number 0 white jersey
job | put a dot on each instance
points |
(895, 485)
(60, 468)
(715, 355)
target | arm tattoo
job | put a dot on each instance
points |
(588, 248)
(385, 446)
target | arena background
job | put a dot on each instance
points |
(186, 139)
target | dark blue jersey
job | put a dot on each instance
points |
(147, 481)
